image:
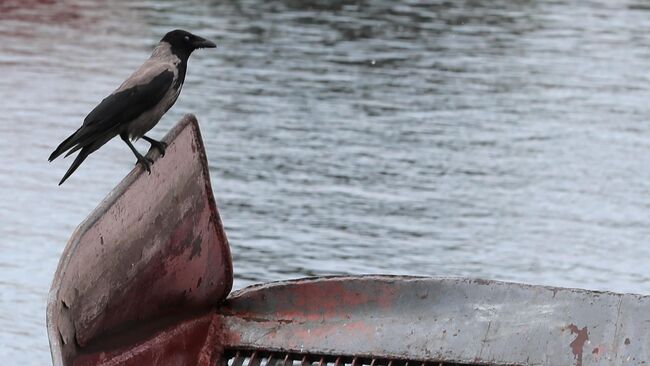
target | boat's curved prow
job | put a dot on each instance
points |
(154, 247)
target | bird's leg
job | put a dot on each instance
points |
(146, 162)
(161, 146)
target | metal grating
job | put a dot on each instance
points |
(246, 357)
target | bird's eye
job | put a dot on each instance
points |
(187, 38)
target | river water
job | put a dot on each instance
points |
(498, 139)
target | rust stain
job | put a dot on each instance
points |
(328, 305)
(599, 351)
(577, 346)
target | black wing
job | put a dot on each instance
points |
(115, 110)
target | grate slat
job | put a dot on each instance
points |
(271, 361)
(254, 359)
(287, 361)
(238, 359)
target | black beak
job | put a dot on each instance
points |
(203, 43)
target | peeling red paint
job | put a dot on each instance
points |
(326, 304)
(295, 307)
(582, 335)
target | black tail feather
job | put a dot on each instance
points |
(77, 161)
(64, 146)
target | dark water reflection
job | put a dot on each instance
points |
(496, 139)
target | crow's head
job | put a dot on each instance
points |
(184, 42)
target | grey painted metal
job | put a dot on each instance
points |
(441, 319)
(154, 248)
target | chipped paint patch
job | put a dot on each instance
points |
(578, 344)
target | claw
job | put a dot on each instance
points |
(145, 162)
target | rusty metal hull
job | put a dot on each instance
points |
(154, 248)
(441, 319)
(144, 278)
(433, 320)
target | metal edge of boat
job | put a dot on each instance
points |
(372, 320)
(154, 247)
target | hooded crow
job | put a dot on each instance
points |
(138, 104)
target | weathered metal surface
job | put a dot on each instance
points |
(154, 247)
(196, 341)
(440, 319)
(386, 320)
(185, 343)
(399, 321)
(143, 278)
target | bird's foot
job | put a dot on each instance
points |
(160, 146)
(145, 162)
